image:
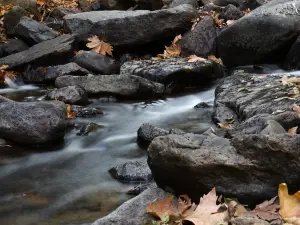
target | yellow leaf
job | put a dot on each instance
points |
(292, 130)
(215, 59)
(99, 46)
(285, 80)
(289, 204)
(176, 39)
(194, 58)
(225, 126)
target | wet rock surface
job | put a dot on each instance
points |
(87, 111)
(70, 95)
(12, 46)
(88, 128)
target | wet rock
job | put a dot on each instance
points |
(85, 111)
(203, 162)
(242, 96)
(176, 3)
(113, 26)
(70, 95)
(202, 105)
(117, 85)
(109, 99)
(242, 4)
(50, 73)
(133, 211)
(32, 31)
(12, 18)
(177, 70)
(273, 127)
(56, 24)
(202, 40)
(264, 35)
(100, 64)
(141, 187)
(61, 51)
(230, 12)
(12, 46)
(147, 132)
(244, 220)
(88, 128)
(292, 61)
(32, 122)
(133, 171)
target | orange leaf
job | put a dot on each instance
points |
(161, 208)
(225, 126)
(70, 114)
(292, 130)
(289, 204)
(99, 46)
(176, 39)
(194, 58)
(41, 2)
(215, 59)
(247, 11)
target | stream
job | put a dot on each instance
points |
(71, 184)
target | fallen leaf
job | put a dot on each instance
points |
(225, 126)
(285, 80)
(215, 59)
(172, 51)
(247, 11)
(206, 212)
(296, 108)
(230, 22)
(99, 46)
(176, 39)
(293, 130)
(289, 204)
(70, 114)
(41, 2)
(268, 210)
(161, 208)
(194, 58)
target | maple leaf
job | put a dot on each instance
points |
(161, 208)
(206, 212)
(285, 80)
(215, 59)
(194, 58)
(225, 126)
(293, 130)
(70, 114)
(289, 204)
(99, 46)
(268, 210)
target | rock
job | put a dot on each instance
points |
(273, 127)
(230, 12)
(50, 73)
(100, 64)
(202, 40)
(242, 4)
(56, 24)
(32, 123)
(176, 70)
(88, 128)
(202, 105)
(242, 96)
(12, 18)
(264, 35)
(60, 12)
(61, 51)
(85, 111)
(32, 31)
(29, 5)
(149, 4)
(117, 85)
(122, 28)
(292, 61)
(140, 188)
(147, 132)
(176, 3)
(70, 95)
(132, 171)
(133, 211)
(13, 46)
(237, 168)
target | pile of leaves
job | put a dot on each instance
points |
(211, 210)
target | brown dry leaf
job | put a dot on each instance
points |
(225, 126)
(194, 58)
(70, 114)
(41, 2)
(293, 130)
(289, 204)
(195, 22)
(5, 8)
(172, 51)
(296, 108)
(161, 208)
(206, 212)
(285, 80)
(215, 59)
(247, 11)
(176, 39)
(268, 210)
(99, 46)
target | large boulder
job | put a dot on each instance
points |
(248, 167)
(264, 35)
(177, 70)
(12, 46)
(120, 28)
(202, 40)
(12, 18)
(133, 211)
(118, 85)
(51, 52)
(292, 61)
(32, 122)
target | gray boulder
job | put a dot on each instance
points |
(70, 95)
(292, 61)
(177, 70)
(230, 12)
(202, 40)
(121, 28)
(132, 171)
(133, 211)
(51, 52)
(86, 112)
(147, 132)
(176, 3)
(116, 85)
(32, 122)
(264, 35)
(99, 64)
(88, 128)
(12, 18)
(50, 73)
(248, 167)
(12, 46)
(32, 31)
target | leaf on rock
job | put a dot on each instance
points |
(285, 80)
(194, 58)
(268, 210)
(161, 208)
(296, 108)
(99, 46)
(70, 114)
(225, 126)
(294, 92)
(289, 204)
(293, 130)
(176, 39)
(207, 213)
(215, 59)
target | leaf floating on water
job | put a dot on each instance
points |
(194, 58)
(99, 46)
